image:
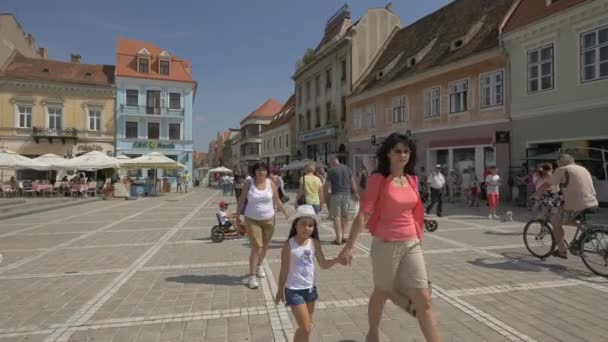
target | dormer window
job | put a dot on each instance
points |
(88, 75)
(164, 65)
(412, 61)
(457, 44)
(143, 61)
(143, 65)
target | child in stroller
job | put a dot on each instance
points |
(225, 227)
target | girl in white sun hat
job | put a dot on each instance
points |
(297, 286)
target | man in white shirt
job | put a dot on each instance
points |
(436, 183)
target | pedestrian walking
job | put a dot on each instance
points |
(436, 183)
(362, 180)
(492, 190)
(257, 204)
(186, 179)
(297, 281)
(178, 183)
(311, 189)
(342, 184)
(394, 214)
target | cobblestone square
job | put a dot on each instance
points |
(146, 270)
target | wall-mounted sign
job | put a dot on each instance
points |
(153, 145)
(89, 148)
(322, 133)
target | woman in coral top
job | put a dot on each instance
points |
(394, 214)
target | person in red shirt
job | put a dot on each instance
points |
(393, 211)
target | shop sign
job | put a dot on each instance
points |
(322, 133)
(153, 145)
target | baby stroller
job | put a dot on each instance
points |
(225, 230)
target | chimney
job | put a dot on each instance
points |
(42, 53)
(30, 39)
(75, 58)
(389, 6)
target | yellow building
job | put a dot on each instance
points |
(56, 107)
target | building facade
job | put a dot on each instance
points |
(49, 106)
(14, 38)
(325, 77)
(440, 80)
(558, 51)
(250, 142)
(154, 102)
(277, 144)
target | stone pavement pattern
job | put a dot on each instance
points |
(146, 270)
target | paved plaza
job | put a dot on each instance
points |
(146, 270)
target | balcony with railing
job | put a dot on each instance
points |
(146, 110)
(62, 134)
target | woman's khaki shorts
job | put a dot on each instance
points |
(398, 265)
(259, 231)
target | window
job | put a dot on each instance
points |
(280, 141)
(308, 91)
(458, 96)
(540, 69)
(301, 118)
(308, 118)
(274, 143)
(491, 89)
(329, 116)
(164, 67)
(94, 120)
(24, 119)
(328, 79)
(343, 72)
(55, 117)
(153, 130)
(131, 130)
(371, 116)
(300, 95)
(317, 116)
(132, 97)
(431, 102)
(318, 86)
(399, 109)
(144, 65)
(175, 101)
(594, 54)
(174, 131)
(356, 119)
(287, 141)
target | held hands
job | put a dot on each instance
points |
(346, 255)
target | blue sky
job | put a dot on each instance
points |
(242, 51)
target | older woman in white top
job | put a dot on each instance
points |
(260, 197)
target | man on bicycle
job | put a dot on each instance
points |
(578, 195)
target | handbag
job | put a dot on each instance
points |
(244, 206)
(302, 199)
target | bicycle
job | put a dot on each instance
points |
(590, 241)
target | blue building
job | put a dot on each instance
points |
(154, 99)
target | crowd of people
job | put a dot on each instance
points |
(392, 207)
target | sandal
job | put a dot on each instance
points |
(344, 240)
(336, 242)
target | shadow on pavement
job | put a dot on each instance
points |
(548, 264)
(213, 279)
(504, 265)
(493, 232)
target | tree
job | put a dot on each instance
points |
(227, 153)
(308, 56)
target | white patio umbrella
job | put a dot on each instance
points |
(92, 161)
(14, 161)
(220, 169)
(153, 160)
(52, 160)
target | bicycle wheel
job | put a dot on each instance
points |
(539, 238)
(593, 247)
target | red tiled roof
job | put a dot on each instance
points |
(288, 112)
(265, 111)
(126, 62)
(20, 66)
(530, 11)
(447, 24)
